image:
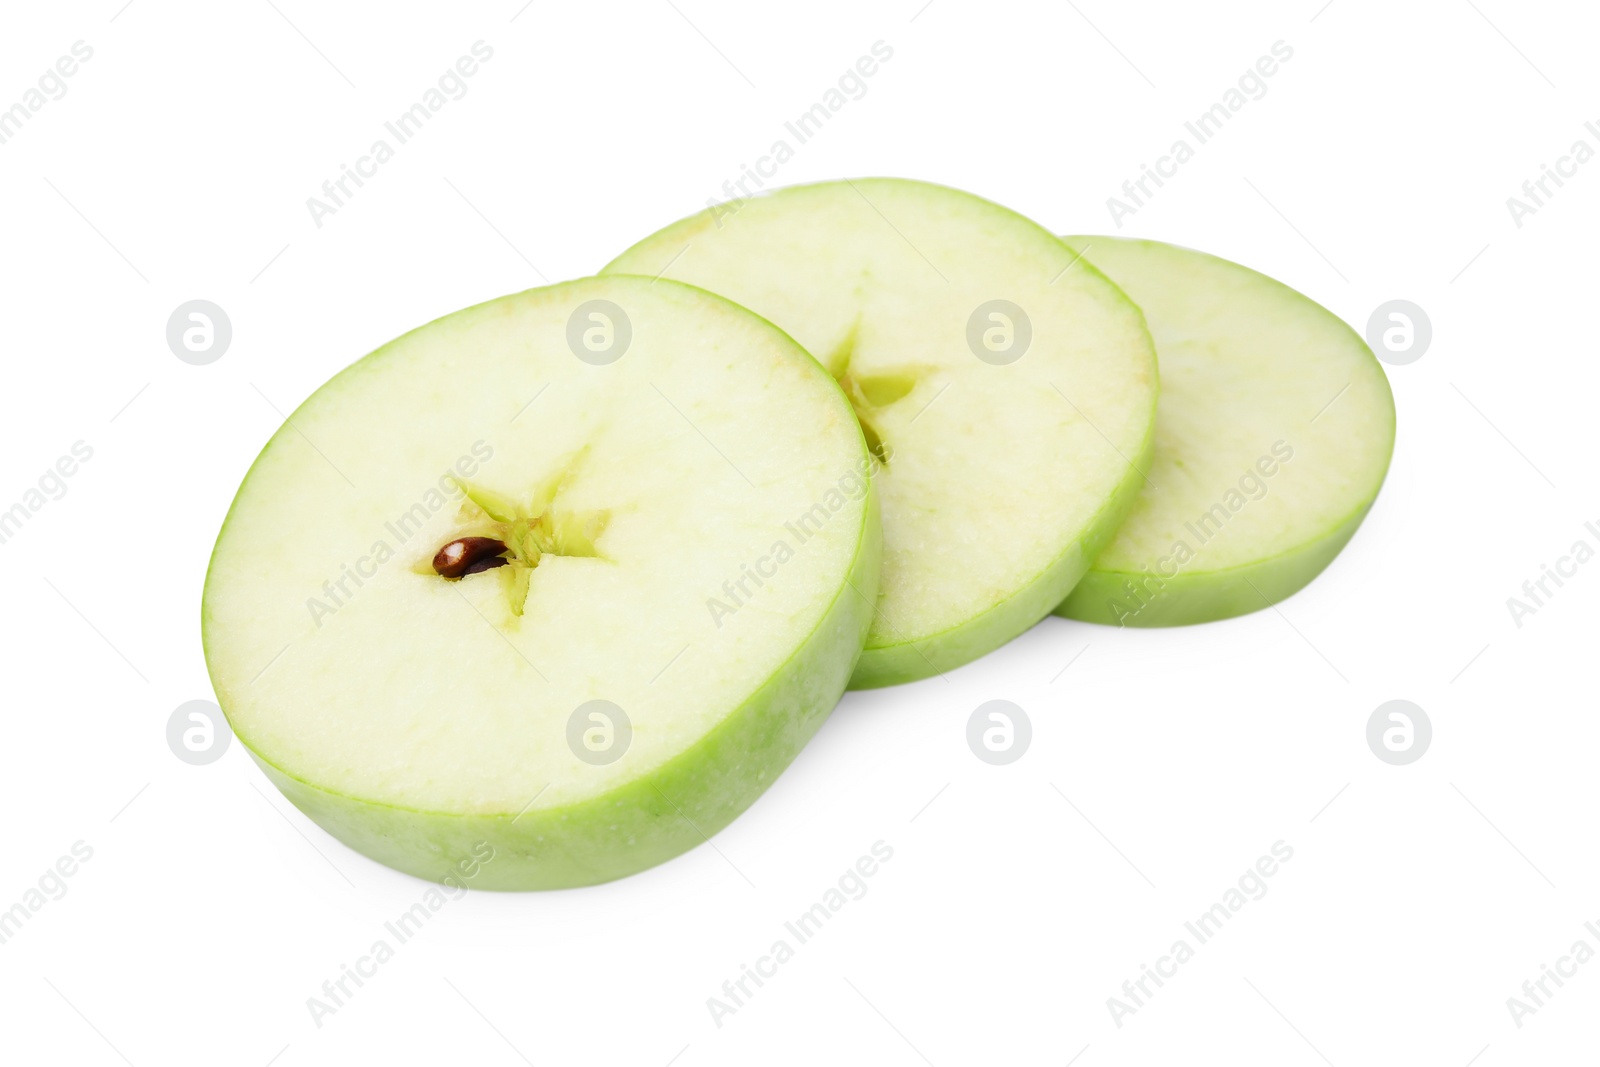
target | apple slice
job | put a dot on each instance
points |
(550, 588)
(1008, 388)
(1272, 440)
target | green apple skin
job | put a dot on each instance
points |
(644, 823)
(1209, 596)
(647, 820)
(1200, 595)
(910, 661)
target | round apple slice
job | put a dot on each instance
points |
(1007, 389)
(1272, 439)
(546, 591)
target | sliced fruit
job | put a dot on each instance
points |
(688, 549)
(1273, 436)
(1006, 387)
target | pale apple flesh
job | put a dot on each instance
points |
(1001, 479)
(1273, 436)
(691, 535)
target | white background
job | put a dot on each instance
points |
(1019, 898)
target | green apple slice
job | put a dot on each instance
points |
(1008, 388)
(1273, 436)
(690, 551)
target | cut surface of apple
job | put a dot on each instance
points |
(1006, 386)
(679, 500)
(1273, 435)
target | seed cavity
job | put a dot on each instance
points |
(875, 443)
(469, 555)
(517, 535)
(871, 393)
